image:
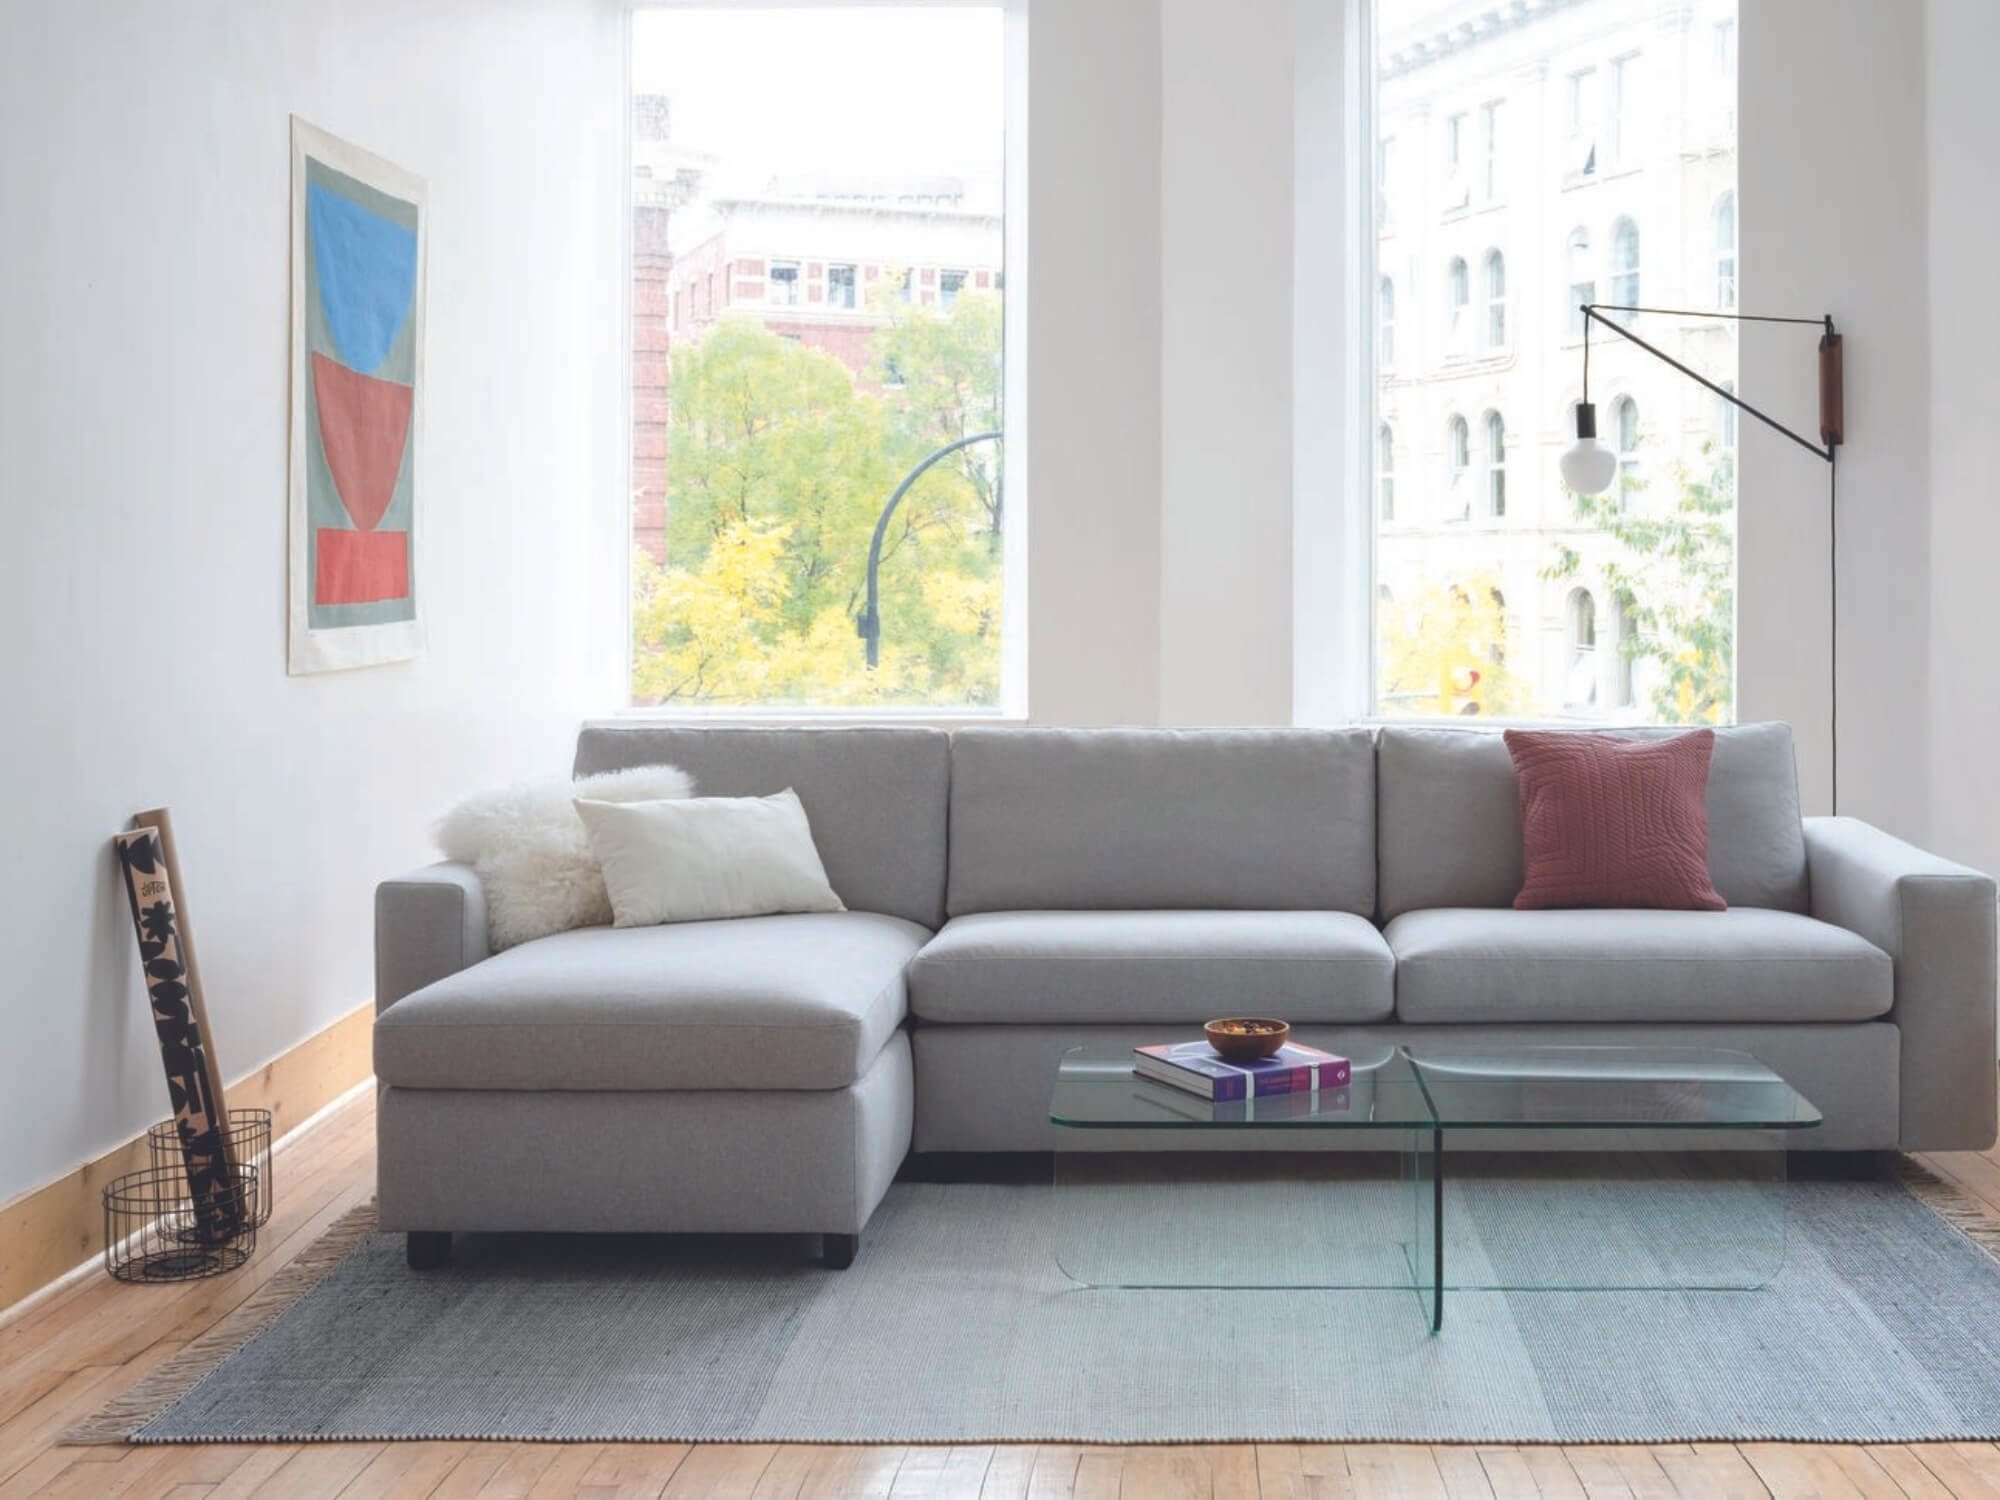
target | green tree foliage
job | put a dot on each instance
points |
(779, 464)
(1675, 570)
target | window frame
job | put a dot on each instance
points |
(1458, 465)
(1624, 277)
(1385, 321)
(1578, 255)
(1724, 212)
(1385, 472)
(1458, 306)
(1014, 704)
(1494, 265)
(852, 282)
(1582, 261)
(1495, 431)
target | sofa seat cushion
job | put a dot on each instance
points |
(1152, 966)
(785, 1002)
(1745, 964)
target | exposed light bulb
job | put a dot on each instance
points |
(1588, 467)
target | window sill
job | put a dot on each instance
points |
(683, 718)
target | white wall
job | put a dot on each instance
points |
(1093, 349)
(1962, 43)
(143, 302)
(1225, 249)
(1833, 220)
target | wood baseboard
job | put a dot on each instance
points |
(50, 1231)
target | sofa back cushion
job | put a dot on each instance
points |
(875, 797)
(1451, 819)
(1137, 819)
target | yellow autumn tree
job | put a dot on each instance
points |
(1444, 652)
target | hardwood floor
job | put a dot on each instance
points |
(63, 1359)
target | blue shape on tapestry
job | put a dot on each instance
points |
(367, 270)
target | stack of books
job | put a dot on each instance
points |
(1196, 1068)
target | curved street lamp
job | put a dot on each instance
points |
(868, 624)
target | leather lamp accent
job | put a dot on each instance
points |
(1608, 821)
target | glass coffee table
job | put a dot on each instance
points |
(1571, 1168)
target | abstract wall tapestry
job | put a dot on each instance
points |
(359, 226)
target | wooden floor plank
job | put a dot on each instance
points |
(1232, 1471)
(1711, 1469)
(1174, 1473)
(1597, 1472)
(404, 1469)
(1971, 1471)
(1100, 1474)
(964, 1473)
(1908, 1471)
(632, 1471)
(1508, 1474)
(1865, 1473)
(1463, 1475)
(726, 1471)
(1008, 1473)
(253, 1475)
(1398, 1471)
(1053, 1476)
(320, 1471)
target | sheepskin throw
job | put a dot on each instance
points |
(532, 855)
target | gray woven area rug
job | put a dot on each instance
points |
(955, 1325)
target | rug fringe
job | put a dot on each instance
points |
(1963, 1211)
(121, 1418)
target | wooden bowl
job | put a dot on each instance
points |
(1246, 1038)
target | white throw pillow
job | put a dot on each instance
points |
(532, 855)
(706, 858)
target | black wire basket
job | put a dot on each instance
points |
(152, 1231)
(249, 1145)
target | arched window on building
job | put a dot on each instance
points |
(1580, 680)
(1625, 265)
(1725, 252)
(1496, 300)
(1385, 470)
(1458, 453)
(1582, 278)
(1625, 428)
(1458, 296)
(1628, 630)
(1496, 465)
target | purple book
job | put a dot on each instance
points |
(1194, 1066)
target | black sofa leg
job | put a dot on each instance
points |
(837, 1250)
(427, 1249)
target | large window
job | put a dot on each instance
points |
(818, 317)
(1617, 607)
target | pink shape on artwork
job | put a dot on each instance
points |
(364, 424)
(360, 567)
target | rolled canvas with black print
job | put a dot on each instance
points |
(200, 1117)
(161, 822)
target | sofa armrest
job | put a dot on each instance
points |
(1936, 920)
(428, 923)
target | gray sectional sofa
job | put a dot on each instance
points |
(1013, 892)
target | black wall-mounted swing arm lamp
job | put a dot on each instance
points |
(1588, 467)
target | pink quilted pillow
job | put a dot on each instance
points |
(1614, 822)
